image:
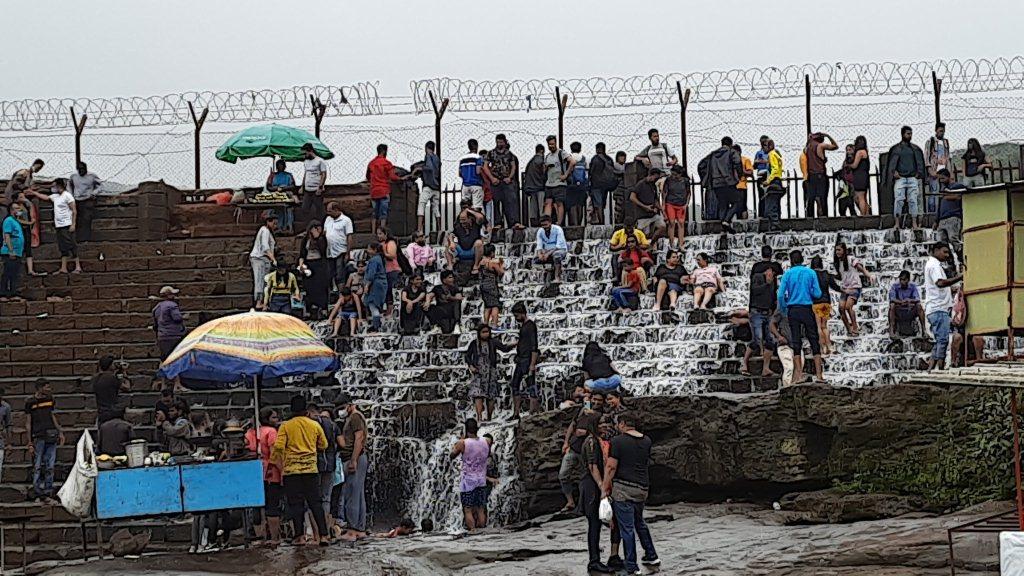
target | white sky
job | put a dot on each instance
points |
(144, 47)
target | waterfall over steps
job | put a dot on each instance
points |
(414, 388)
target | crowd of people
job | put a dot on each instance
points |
(74, 204)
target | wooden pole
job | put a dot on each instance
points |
(684, 101)
(319, 109)
(79, 125)
(563, 102)
(807, 100)
(198, 122)
(937, 90)
(438, 115)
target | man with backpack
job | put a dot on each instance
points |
(719, 173)
(579, 185)
(657, 156)
(602, 182)
(558, 164)
(501, 170)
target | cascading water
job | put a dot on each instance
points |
(416, 386)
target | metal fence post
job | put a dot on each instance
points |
(807, 100)
(79, 125)
(438, 115)
(684, 100)
(198, 122)
(937, 90)
(562, 102)
(319, 109)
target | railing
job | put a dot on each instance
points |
(793, 203)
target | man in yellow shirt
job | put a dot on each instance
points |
(774, 188)
(298, 441)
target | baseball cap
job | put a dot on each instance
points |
(168, 290)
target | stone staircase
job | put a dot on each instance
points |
(413, 388)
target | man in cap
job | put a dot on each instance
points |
(168, 322)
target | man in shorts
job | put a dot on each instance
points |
(527, 355)
(466, 241)
(558, 165)
(677, 196)
(473, 483)
(380, 173)
(65, 213)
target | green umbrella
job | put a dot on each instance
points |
(271, 140)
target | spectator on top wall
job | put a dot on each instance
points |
(904, 171)
(937, 157)
(502, 170)
(85, 186)
(313, 180)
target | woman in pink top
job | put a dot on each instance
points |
(706, 282)
(389, 251)
(272, 487)
(419, 254)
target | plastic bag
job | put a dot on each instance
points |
(77, 492)
(604, 511)
(339, 472)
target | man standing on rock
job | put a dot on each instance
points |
(797, 291)
(473, 484)
(572, 449)
(627, 482)
(353, 455)
(65, 212)
(524, 377)
(263, 258)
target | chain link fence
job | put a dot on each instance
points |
(129, 154)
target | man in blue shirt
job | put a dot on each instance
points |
(551, 246)
(904, 303)
(471, 171)
(797, 291)
(11, 252)
(761, 170)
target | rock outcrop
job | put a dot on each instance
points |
(947, 447)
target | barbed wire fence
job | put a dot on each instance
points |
(129, 140)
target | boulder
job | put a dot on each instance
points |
(946, 446)
(834, 506)
(124, 543)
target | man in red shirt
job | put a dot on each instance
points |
(381, 173)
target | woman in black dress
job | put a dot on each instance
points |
(414, 297)
(492, 270)
(314, 270)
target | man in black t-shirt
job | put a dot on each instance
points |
(45, 435)
(466, 241)
(527, 356)
(764, 284)
(107, 386)
(627, 482)
(649, 218)
(444, 304)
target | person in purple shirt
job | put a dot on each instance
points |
(904, 304)
(168, 322)
(473, 484)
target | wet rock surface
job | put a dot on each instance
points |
(761, 446)
(692, 539)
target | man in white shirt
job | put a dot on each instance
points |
(551, 246)
(84, 186)
(65, 212)
(313, 180)
(338, 229)
(262, 257)
(657, 156)
(938, 302)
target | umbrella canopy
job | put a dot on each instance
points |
(263, 344)
(271, 140)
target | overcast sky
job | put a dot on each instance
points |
(121, 48)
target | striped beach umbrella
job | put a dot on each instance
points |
(249, 346)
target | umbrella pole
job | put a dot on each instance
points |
(256, 404)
